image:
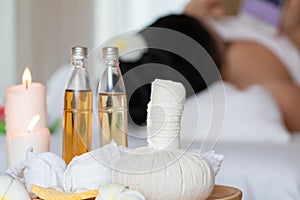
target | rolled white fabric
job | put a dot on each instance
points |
(167, 93)
(164, 114)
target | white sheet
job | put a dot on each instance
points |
(249, 115)
(262, 171)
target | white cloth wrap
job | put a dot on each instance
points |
(164, 114)
(85, 172)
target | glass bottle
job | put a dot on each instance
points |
(112, 104)
(77, 119)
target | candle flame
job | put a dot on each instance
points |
(26, 78)
(33, 122)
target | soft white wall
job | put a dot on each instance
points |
(7, 41)
(116, 16)
(40, 33)
(113, 17)
(48, 29)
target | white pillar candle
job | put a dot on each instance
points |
(23, 102)
(18, 142)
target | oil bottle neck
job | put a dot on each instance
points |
(111, 63)
(78, 62)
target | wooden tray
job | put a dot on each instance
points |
(221, 193)
(225, 193)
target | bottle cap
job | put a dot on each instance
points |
(110, 53)
(80, 52)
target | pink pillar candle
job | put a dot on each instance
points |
(23, 102)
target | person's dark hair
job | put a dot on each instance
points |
(193, 82)
(192, 28)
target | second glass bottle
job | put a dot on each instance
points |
(112, 104)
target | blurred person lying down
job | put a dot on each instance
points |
(245, 56)
(269, 60)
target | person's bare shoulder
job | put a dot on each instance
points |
(249, 63)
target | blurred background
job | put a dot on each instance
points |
(40, 33)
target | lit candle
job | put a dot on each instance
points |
(26, 78)
(18, 142)
(23, 102)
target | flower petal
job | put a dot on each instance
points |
(131, 195)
